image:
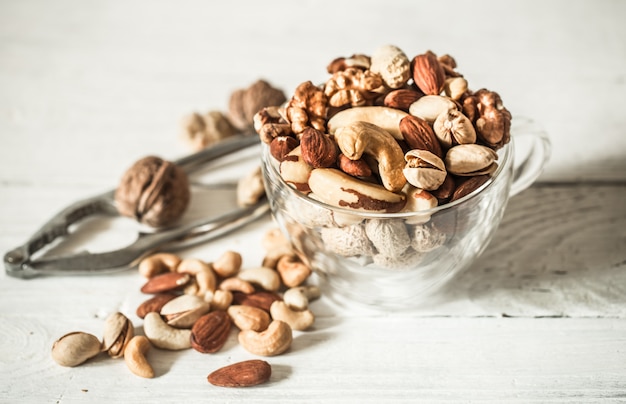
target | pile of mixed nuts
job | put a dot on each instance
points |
(194, 305)
(384, 130)
(385, 133)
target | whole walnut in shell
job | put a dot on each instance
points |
(153, 191)
(244, 103)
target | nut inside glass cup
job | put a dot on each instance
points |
(388, 260)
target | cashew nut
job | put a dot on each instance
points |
(135, 357)
(163, 336)
(292, 270)
(220, 299)
(266, 278)
(384, 117)
(158, 263)
(236, 284)
(248, 317)
(75, 348)
(275, 340)
(361, 138)
(298, 298)
(337, 188)
(228, 264)
(297, 320)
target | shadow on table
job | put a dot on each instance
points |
(560, 250)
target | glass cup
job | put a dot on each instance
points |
(394, 261)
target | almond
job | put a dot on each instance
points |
(261, 300)
(428, 74)
(209, 333)
(165, 282)
(419, 135)
(241, 374)
(154, 304)
(401, 99)
(318, 150)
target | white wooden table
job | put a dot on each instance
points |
(88, 87)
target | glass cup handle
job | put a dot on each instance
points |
(532, 151)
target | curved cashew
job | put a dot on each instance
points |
(158, 263)
(135, 357)
(228, 264)
(163, 336)
(297, 320)
(298, 298)
(266, 278)
(292, 270)
(384, 117)
(275, 340)
(336, 188)
(249, 317)
(236, 284)
(220, 299)
(361, 138)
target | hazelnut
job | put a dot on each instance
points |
(153, 191)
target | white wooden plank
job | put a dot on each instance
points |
(374, 360)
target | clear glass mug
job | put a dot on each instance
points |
(442, 241)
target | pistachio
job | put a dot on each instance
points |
(429, 107)
(424, 169)
(75, 348)
(118, 330)
(471, 159)
(184, 310)
(452, 127)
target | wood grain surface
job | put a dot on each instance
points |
(88, 87)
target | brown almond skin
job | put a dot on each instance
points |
(165, 282)
(402, 98)
(356, 168)
(241, 374)
(468, 186)
(418, 134)
(261, 300)
(210, 332)
(428, 74)
(154, 304)
(445, 191)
